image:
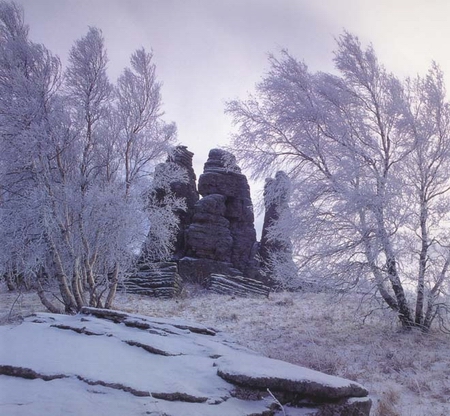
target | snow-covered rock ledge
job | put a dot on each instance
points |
(111, 363)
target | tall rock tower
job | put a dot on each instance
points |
(222, 236)
(186, 190)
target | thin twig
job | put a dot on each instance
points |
(12, 306)
(277, 402)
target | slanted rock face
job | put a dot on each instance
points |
(223, 181)
(236, 285)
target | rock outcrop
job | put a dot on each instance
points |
(187, 190)
(216, 234)
(276, 200)
(222, 228)
(160, 280)
(155, 276)
(177, 177)
(209, 235)
(276, 246)
(132, 365)
(236, 285)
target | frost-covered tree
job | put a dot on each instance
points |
(70, 216)
(29, 79)
(369, 157)
(164, 207)
(144, 136)
(89, 91)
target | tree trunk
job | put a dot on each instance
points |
(113, 287)
(419, 319)
(93, 295)
(9, 277)
(76, 284)
(64, 288)
(371, 259)
(404, 312)
(49, 305)
(432, 296)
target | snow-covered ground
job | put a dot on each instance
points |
(407, 374)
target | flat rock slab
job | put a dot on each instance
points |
(266, 373)
(112, 363)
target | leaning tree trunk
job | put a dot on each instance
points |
(70, 303)
(113, 287)
(432, 309)
(404, 311)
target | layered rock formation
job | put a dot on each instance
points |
(176, 176)
(222, 231)
(160, 280)
(187, 190)
(154, 276)
(216, 235)
(236, 285)
(222, 176)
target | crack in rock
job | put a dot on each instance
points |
(150, 349)
(116, 386)
(27, 373)
(179, 397)
(82, 330)
(121, 317)
(196, 330)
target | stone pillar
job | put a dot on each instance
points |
(223, 223)
(276, 246)
(186, 190)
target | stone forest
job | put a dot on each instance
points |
(216, 243)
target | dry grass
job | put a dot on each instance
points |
(388, 401)
(406, 373)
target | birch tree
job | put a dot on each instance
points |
(29, 79)
(69, 219)
(369, 156)
(144, 137)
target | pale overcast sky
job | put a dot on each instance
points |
(211, 51)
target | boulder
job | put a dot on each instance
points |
(279, 376)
